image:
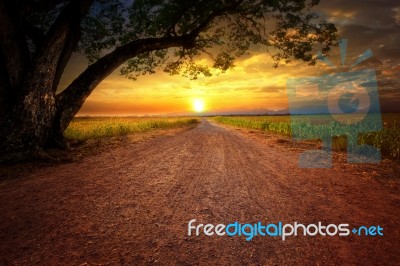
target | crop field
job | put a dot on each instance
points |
(313, 127)
(84, 128)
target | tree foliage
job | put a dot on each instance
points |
(226, 30)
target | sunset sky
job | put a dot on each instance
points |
(254, 86)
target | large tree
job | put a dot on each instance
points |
(38, 38)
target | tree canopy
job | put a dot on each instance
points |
(223, 30)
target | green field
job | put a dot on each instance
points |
(84, 128)
(311, 127)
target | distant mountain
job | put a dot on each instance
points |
(256, 111)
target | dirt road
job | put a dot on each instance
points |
(132, 205)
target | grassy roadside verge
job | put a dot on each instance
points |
(387, 139)
(86, 128)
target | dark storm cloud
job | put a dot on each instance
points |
(375, 14)
(371, 25)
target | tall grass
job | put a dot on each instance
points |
(314, 127)
(273, 124)
(84, 128)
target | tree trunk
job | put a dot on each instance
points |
(32, 115)
(27, 124)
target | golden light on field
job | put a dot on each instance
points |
(198, 105)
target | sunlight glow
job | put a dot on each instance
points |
(198, 105)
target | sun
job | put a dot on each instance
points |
(198, 105)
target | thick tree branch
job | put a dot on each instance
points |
(70, 15)
(72, 40)
(70, 46)
(57, 46)
(72, 98)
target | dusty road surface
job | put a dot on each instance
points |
(132, 204)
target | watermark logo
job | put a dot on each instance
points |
(339, 104)
(280, 229)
